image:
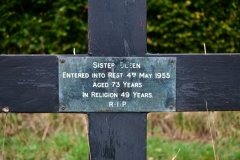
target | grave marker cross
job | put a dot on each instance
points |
(117, 34)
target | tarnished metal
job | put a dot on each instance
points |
(112, 84)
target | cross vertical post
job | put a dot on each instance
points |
(117, 29)
(116, 39)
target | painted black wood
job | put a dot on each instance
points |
(214, 78)
(29, 83)
(117, 136)
(117, 29)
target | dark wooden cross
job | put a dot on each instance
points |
(117, 34)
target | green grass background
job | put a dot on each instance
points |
(64, 136)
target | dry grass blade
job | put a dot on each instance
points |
(45, 131)
(4, 134)
(215, 136)
(212, 125)
(176, 154)
(212, 131)
(205, 51)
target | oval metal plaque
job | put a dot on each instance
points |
(107, 84)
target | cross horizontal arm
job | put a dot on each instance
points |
(31, 83)
(211, 78)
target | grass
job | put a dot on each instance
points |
(167, 133)
(64, 136)
(45, 137)
(61, 146)
(162, 149)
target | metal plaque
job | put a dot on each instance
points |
(107, 84)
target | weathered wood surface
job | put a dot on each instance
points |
(117, 136)
(214, 78)
(29, 83)
(117, 29)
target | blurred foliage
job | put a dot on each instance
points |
(182, 26)
(43, 26)
(50, 27)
